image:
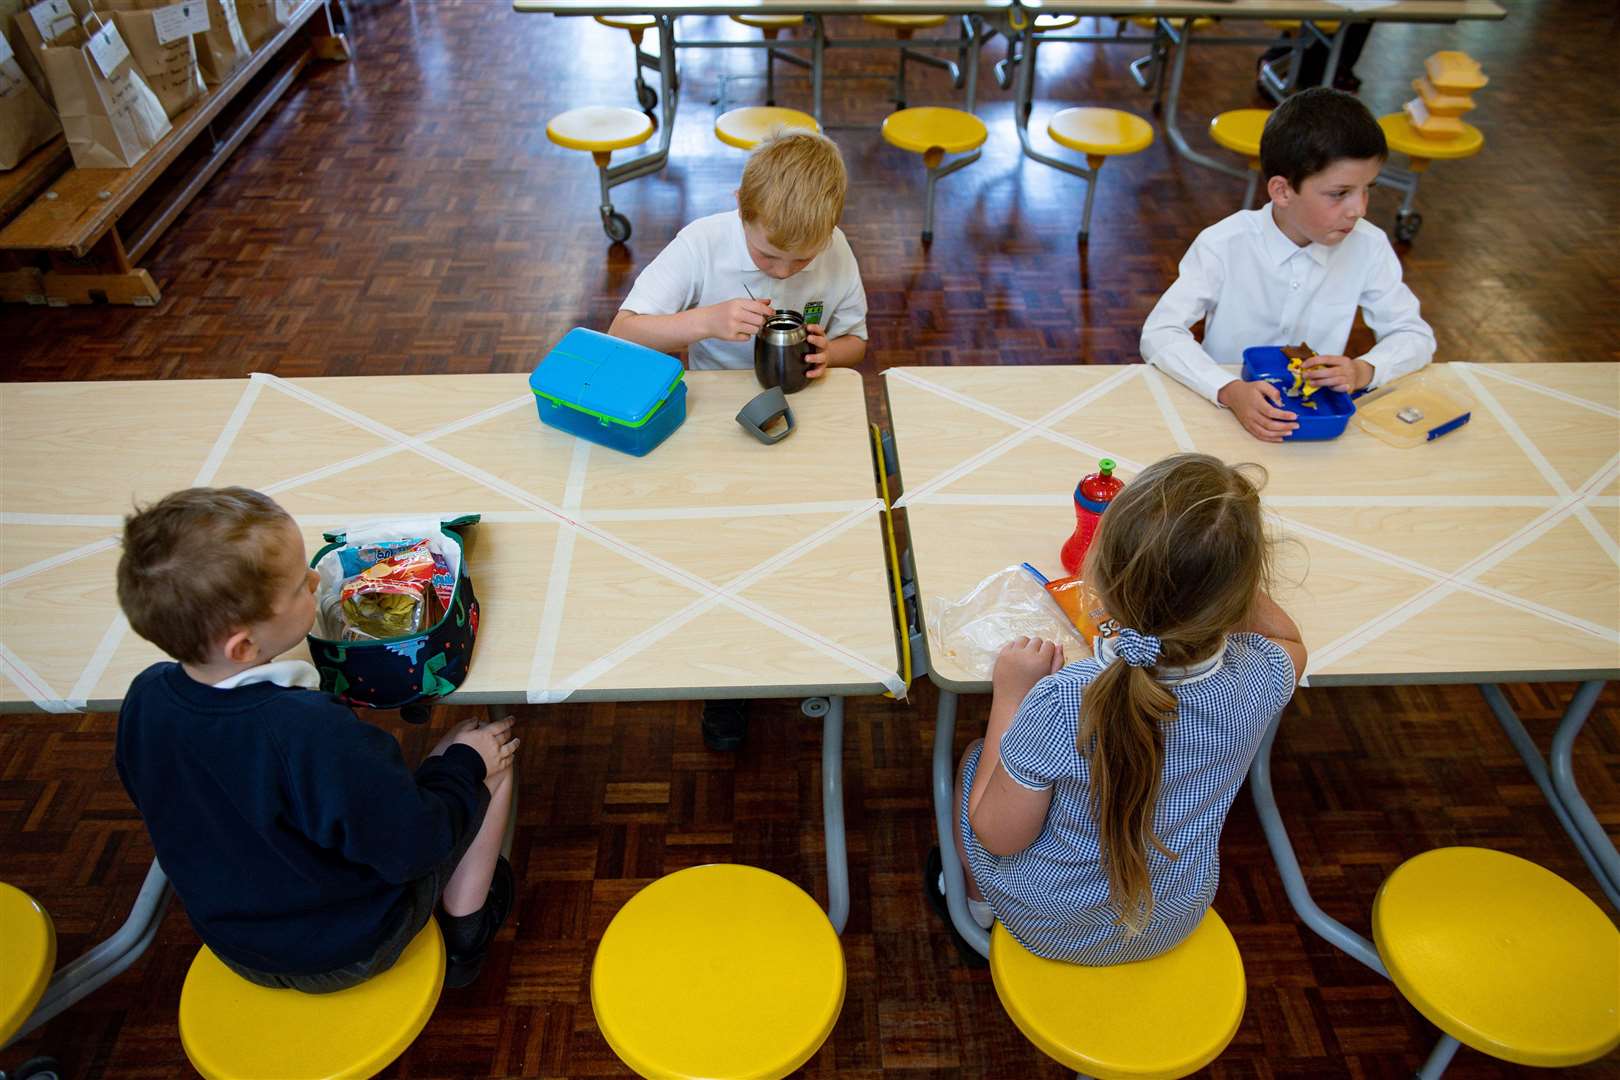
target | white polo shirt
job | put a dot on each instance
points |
(708, 263)
(1253, 286)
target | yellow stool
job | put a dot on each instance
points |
(1099, 134)
(27, 958)
(1398, 132)
(718, 971)
(906, 25)
(1239, 131)
(747, 127)
(232, 1029)
(770, 26)
(1164, 1017)
(1502, 955)
(933, 133)
(602, 129)
(638, 25)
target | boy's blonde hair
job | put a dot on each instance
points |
(793, 187)
(198, 565)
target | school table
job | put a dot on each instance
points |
(1489, 555)
(716, 566)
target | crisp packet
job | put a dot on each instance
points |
(396, 594)
(1083, 608)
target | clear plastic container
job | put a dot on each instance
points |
(1413, 411)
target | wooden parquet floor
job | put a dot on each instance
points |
(405, 213)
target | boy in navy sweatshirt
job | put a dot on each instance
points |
(307, 855)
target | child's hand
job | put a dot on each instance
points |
(1258, 407)
(815, 361)
(494, 741)
(451, 736)
(1023, 663)
(1339, 373)
(738, 320)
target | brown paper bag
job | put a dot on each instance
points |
(26, 121)
(109, 114)
(222, 49)
(160, 41)
(263, 19)
(11, 14)
(41, 25)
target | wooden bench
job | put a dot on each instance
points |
(69, 236)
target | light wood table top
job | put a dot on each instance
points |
(715, 566)
(1491, 554)
(1401, 11)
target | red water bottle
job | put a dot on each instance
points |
(1091, 497)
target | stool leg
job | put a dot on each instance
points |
(832, 814)
(818, 48)
(1439, 1058)
(770, 68)
(615, 224)
(900, 76)
(1091, 194)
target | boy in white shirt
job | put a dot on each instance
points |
(782, 244)
(1294, 272)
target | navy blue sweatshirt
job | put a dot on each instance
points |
(290, 828)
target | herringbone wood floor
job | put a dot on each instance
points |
(405, 213)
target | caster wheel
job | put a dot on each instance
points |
(417, 712)
(928, 238)
(815, 707)
(1080, 238)
(617, 227)
(1158, 108)
(38, 1068)
(771, 102)
(898, 105)
(647, 97)
(1407, 226)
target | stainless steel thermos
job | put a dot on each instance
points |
(780, 349)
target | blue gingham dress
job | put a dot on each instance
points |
(1053, 895)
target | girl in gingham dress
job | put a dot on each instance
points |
(1090, 814)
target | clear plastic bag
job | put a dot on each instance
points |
(1007, 605)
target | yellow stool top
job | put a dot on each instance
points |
(747, 127)
(1100, 131)
(907, 22)
(1056, 22)
(1400, 135)
(1327, 26)
(1502, 954)
(1148, 22)
(1164, 1017)
(27, 957)
(1239, 130)
(599, 127)
(930, 127)
(232, 1029)
(718, 970)
(628, 22)
(769, 22)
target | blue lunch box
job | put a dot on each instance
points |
(1333, 407)
(610, 391)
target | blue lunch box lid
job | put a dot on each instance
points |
(616, 381)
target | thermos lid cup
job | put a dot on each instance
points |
(763, 411)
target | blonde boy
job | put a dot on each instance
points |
(782, 244)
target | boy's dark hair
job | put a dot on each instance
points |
(197, 565)
(1313, 129)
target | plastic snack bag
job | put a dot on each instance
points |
(1083, 608)
(1007, 605)
(388, 589)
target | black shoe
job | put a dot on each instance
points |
(467, 937)
(725, 724)
(936, 900)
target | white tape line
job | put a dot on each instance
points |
(606, 539)
(1167, 408)
(85, 521)
(1420, 502)
(1545, 467)
(1029, 431)
(85, 688)
(1572, 399)
(29, 682)
(1413, 606)
(688, 513)
(562, 562)
(84, 551)
(1037, 500)
(1018, 423)
(227, 435)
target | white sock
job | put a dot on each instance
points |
(977, 908)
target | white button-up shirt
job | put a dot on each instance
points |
(1253, 286)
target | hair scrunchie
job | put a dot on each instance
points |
(1137, 650)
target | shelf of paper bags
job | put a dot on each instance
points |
(88, 202)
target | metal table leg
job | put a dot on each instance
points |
(832, 813)
(1282, 852)
(1558, 785)
(1183, 41)
(110, 958)
(945, 827)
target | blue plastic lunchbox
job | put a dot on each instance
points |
(610, 391)
(1333, 407)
